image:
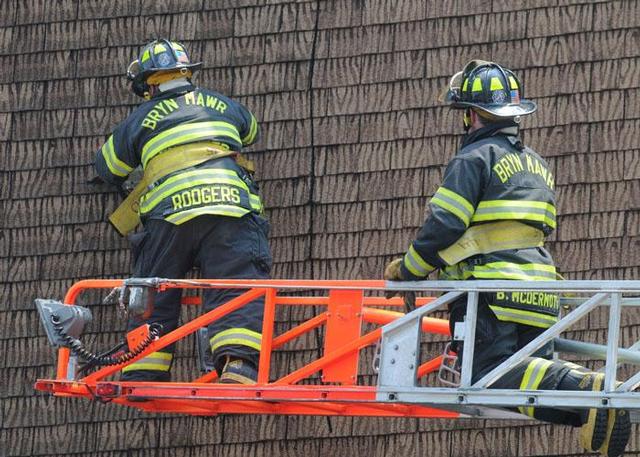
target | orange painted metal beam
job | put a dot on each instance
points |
(430, 366)
(268, 321)
(299, 330)
(429, 324)
(344, 319)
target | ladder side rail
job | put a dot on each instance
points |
(624, 301)
(440, 397)
(546, 336)
(509, 285)
(613, 338)
(468, 350)
(586, 286)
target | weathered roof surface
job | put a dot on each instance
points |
(354, 141)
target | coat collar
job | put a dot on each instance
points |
(507, 128)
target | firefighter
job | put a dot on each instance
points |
(197, 201)
(488, 220)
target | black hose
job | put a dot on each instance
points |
(106, 359)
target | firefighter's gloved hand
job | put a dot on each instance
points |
(392, 271)
(409, 300)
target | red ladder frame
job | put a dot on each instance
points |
(347, 307)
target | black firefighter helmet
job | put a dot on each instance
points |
(490, 89)
(158, 58)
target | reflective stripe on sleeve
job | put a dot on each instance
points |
(253, 131)
(521, 316)
(157, 361)
(416, 264)
(536, 211)
(531, 380)
(116, 166)
(239, 336)
(454, 203)
(188, 133)
(255, 202)
(509, 270)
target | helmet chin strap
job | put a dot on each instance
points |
(466, 119)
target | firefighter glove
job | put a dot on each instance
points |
(392, 271)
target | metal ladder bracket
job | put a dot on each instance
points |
(399, 355)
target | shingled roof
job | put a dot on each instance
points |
(354, 141)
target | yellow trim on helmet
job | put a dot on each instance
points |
(496, 84)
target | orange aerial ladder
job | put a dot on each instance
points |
(355, 316)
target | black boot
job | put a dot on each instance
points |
(238, 371)
(603, 430)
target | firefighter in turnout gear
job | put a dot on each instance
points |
(197, 201)
(488, 220)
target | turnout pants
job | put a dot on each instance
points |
(497, 340)
(223, 248)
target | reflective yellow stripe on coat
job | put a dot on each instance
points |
(188, 133)
(523, 210)
(522, 316)
(189, 179)
(510, 270)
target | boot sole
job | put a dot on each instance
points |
(594, 432)
(618, 432)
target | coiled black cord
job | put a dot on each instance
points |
(105, 359)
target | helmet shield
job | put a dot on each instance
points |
(452, 92)
(133, 70)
